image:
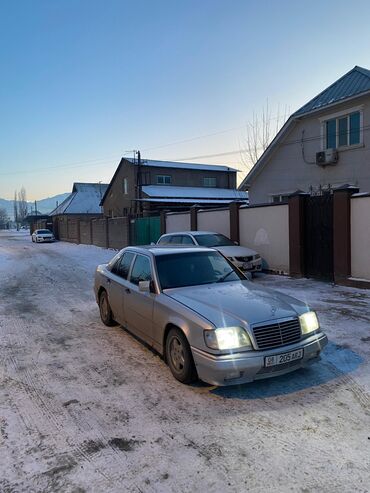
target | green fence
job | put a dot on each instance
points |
(145, 230)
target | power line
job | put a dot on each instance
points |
(103, 161)
(118, 156)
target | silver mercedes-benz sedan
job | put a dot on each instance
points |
(195, 308)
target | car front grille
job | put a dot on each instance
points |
(244, 259)
(277, 334)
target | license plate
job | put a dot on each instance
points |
(280, 359)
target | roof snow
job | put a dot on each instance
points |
(170, 164)
(84, 199)
(169, 192)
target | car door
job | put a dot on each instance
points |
(117, 284)
(138, 304)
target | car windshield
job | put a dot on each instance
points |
(178, 270)
(44, 232)
(213, 240)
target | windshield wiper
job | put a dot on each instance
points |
(225, 276)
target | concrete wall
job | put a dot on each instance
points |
(218, 221)
(177, 222)
(286, 170)
(99, 232)
(266, 230)
(360, 237)
(85, 232)
(118, 232)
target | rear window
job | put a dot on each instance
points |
(213, 240)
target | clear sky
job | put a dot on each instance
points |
(84, 81)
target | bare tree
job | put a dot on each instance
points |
(259, 134)
(4, 219)
(15, 209)
(22, 205)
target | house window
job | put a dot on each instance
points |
(209, 182)
(125, 186)
(343, 131)
(278, 199)
(164, 180)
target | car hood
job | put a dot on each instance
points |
(239, 302)
(235, 251)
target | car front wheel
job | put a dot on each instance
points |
(179, 357)
(105, 310)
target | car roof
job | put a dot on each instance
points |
(165, 250)
(194, 233)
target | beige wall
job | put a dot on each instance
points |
(177, 222)
(266, 230)
(287, 171)
(360, 237)
(218, 221)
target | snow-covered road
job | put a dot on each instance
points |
(88, 408)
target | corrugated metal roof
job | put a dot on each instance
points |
(354, 82)
(162, 191)
(84, 199)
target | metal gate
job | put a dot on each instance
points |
(318, 237)
(145, 230)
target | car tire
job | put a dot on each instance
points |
(106, 314)
(179, 357)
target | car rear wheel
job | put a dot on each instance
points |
(105, 310)
(179, 357)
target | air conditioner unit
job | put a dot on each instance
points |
(329, 156)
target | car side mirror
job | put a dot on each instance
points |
(144, 286)
(236, 243)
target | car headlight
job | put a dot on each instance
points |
(227, 338)
(309, 322)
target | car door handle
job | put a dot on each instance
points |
(128, 290)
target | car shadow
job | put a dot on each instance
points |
(336, 361)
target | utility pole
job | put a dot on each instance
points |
(138, 185)
(101, 208)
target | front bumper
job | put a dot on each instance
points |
(252, 266)
(249, 366)
(40, 239)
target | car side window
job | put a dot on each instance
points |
(187, 240)
(176, 240)
(141, 271)
(165, 240)
(122, 266)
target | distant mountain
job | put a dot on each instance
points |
(44, 205)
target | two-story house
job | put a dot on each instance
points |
(322, 146)
(145, 187)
